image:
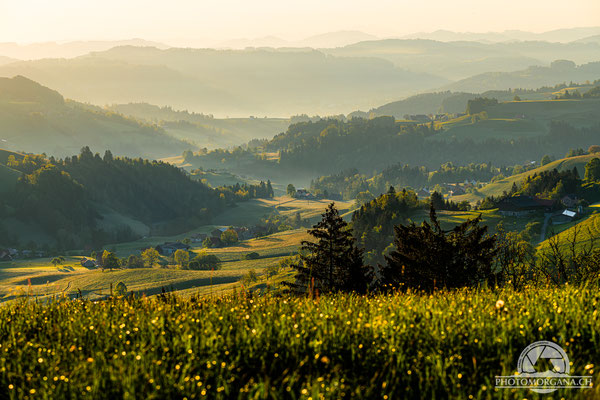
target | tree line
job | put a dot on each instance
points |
(428, 257)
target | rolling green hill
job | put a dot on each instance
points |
(587, 230)
(36, 119)
(504, 185)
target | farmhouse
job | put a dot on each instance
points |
(304, 194)
(199, 237)
(5, 255)
(519, 206)
(569, 200)
(216, 233)
(167, 249)
(88, 263)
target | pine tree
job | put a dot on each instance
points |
(427, 257)
(333, 262)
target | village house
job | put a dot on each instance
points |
(570, 200)
(519, 206)
(198, 237)
(455, 189)
(167, 249)
(5, 255)
(304, 194)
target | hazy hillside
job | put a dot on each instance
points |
(228, 82)
(530, 78)
(34, 118)
(36, 51)
(6, 60)
(460, 59)
(557, 35)
(324, 40)
(426, 103)
(590, 39)
(204, 130)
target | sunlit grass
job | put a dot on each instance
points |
(449, 344)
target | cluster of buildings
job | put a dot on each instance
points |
(243, 233)
(10, 254)
(422, 118)
(563, 211)
(453, 189)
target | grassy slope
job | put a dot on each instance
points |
(506, 122)
(587, 229)
(497, 188)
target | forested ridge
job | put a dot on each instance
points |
(329, 146)
(64, 197)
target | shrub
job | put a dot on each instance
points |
(205, 262)
(252, 256)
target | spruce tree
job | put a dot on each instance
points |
(332, 263)
(427, 257)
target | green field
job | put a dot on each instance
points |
(70, 278)
(504, 185)
(587, 229)
(411, 345)
(521, 119)
(41, 279)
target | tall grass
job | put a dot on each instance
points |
(408, 345)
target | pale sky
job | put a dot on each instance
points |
(189, 22)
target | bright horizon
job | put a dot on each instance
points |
(195, 23)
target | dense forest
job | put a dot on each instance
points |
(66, 198)
(329, 146)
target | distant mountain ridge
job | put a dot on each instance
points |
(228, 82)
(36, 51)
(530, 78)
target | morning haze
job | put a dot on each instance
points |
(233, 199)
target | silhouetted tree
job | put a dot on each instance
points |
(333, 262)
(427, 257)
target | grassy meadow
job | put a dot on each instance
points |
(40, 278)
(404, 345)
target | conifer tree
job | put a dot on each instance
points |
(427, 257)
(334, 262)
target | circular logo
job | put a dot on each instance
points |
(543, 359)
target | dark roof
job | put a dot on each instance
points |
(174, 245)
(522, 203)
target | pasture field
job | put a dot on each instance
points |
(449, 344)
(498, 187)
(520, 119)
(587, 229)
(39, 278)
